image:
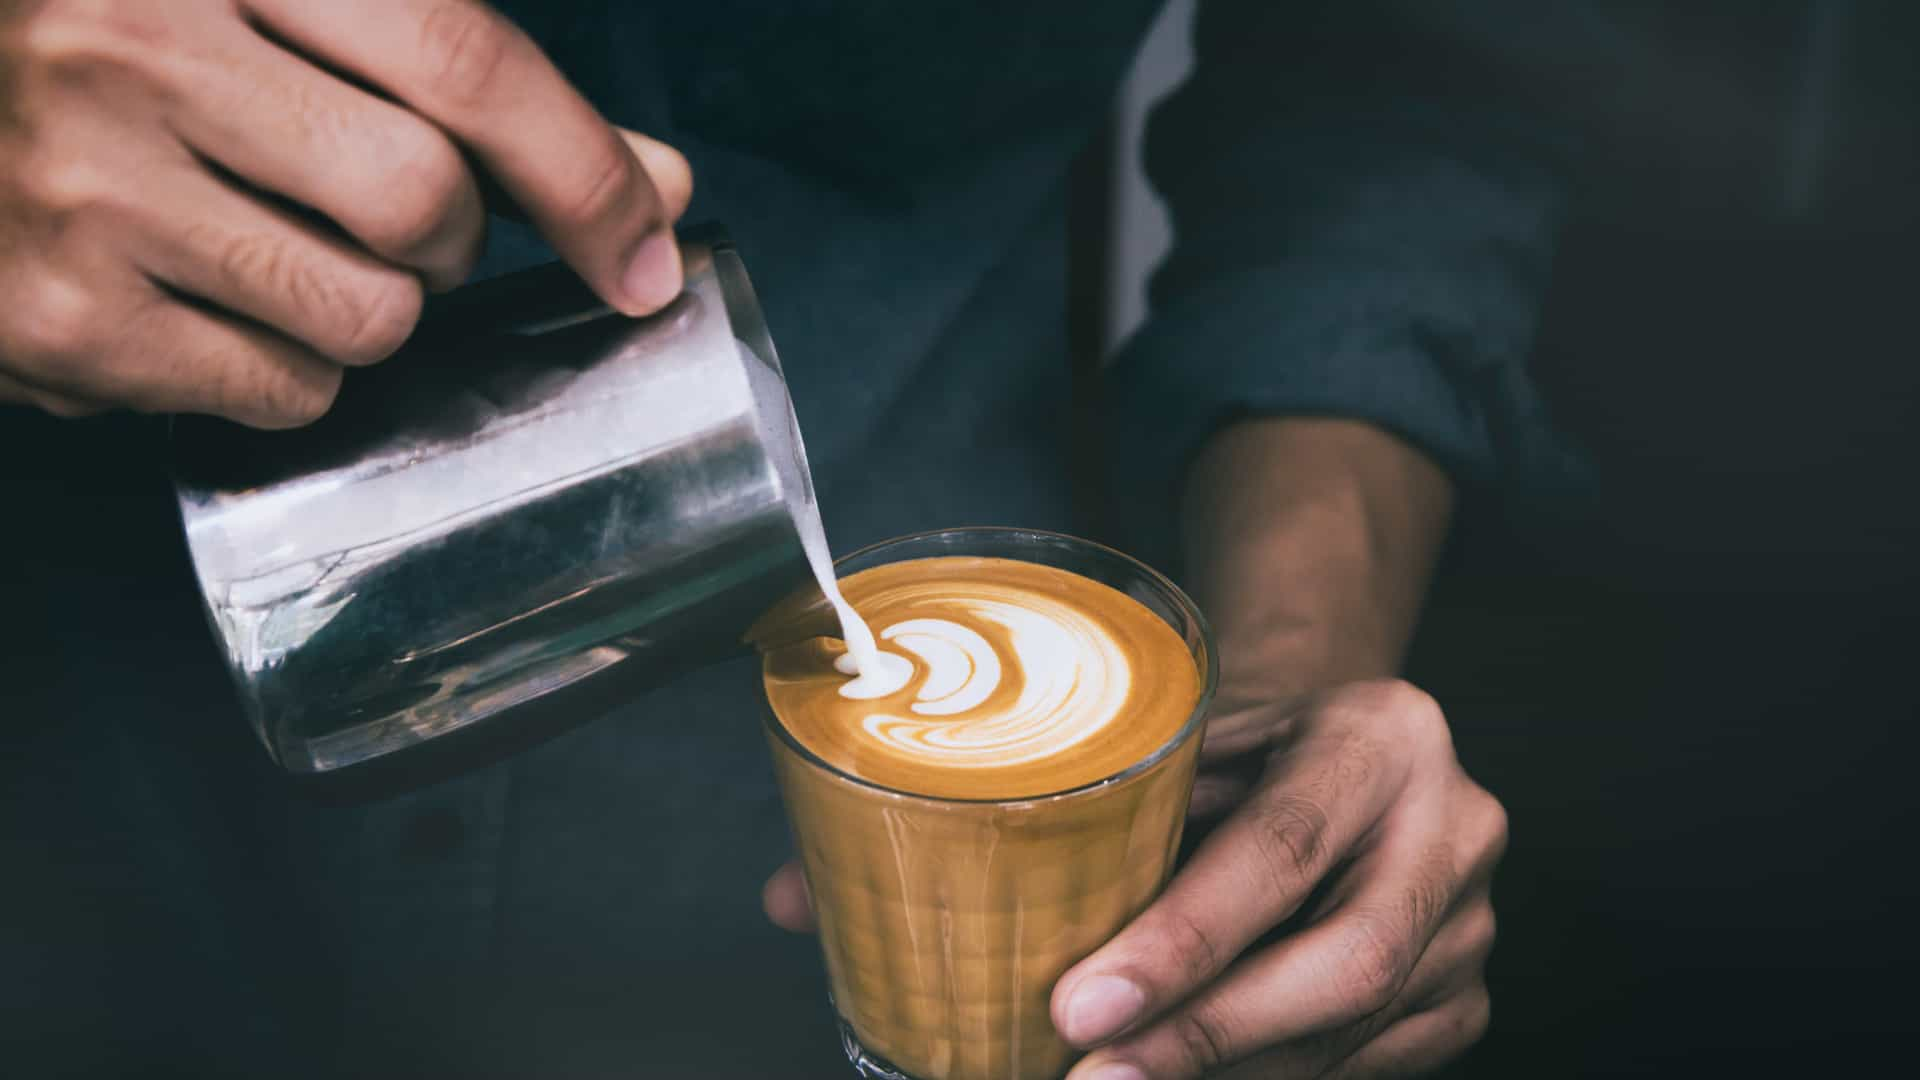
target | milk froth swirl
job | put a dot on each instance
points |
(1027, 677)
(1072, 679)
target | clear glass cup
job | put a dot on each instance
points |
(946, 922)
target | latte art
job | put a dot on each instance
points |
(994, 678)
(1071, 679)
(962, 668)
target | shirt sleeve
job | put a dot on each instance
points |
(1364, 201)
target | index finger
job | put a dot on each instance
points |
(471, 71)
(1257, 869)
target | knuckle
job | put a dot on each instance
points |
(1192, 947)
(62, 31)
(1375, 963)
(1482, 930)
(426, 183)
(1291, 831)
(314, 399)
(380, 322)
(61, 322)
(76, 35)
(1416, 705)
(1431, 889)
(1396, 696)
(609, 184)
(1496, 829)
(1356, 762)
(61, 184)
(1415, 717)
(463, 47)
(283, 399)
(350, 321)
(1205, 1037)
(241, 258)
(311, 112)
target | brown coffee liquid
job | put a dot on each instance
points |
(945, 924)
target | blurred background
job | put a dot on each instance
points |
(1698, 701)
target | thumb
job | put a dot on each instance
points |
(787, 901)
(666, 170)
(671, 175)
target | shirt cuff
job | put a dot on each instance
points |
(1286, 341)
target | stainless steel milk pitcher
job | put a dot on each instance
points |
(535, 492)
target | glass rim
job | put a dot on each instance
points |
(1209, 675)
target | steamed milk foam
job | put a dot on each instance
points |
(992, 678)
(1072, 679)
(946, 923)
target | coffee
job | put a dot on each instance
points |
(1025, 680)
(959, 841)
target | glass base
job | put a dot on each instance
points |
(864, 1063)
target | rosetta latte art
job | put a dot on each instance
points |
(988, 678)
(1066, 679)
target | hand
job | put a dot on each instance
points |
(213, 205)
(1337, 924)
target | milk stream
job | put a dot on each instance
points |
(876, 673)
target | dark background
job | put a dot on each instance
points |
(1700, 708)
(1698, 701)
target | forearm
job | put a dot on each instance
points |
(1309, 543)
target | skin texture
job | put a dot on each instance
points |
(1337, 920)
(218, 205)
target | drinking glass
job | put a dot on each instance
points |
(946, 922)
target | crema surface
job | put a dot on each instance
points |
(1025, 680)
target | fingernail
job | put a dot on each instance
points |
(1101, 1006)
(1110, 1070)
(653, 276)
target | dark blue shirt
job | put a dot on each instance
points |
(1349, 240)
